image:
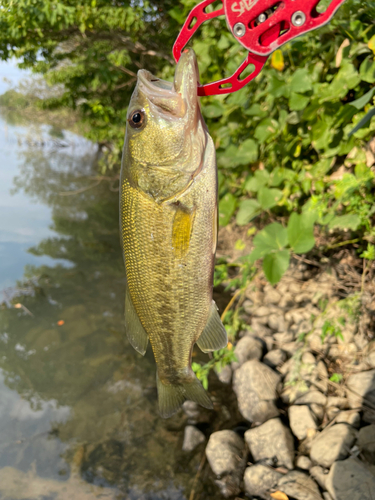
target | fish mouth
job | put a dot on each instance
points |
(151, 84)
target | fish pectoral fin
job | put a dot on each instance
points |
(214, 335)
(171, 396)
(181, 230)
(135, 332)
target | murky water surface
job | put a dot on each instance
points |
(78, 406)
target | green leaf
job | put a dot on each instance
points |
(349, 221)
(300, 233)
(275, 264)
(247, 211)
(321, 135)
(268, 198)
(247, 152)
(297, 102)
(213, 110)
(272, 237)
(367, 70)
(260, 178)
(301, 81)
(362, 101)
(266, 129)
(227, 206)
(363, 122)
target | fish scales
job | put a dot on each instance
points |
(168, 212)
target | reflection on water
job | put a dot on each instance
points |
(78, 406)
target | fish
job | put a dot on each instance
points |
(168, 226)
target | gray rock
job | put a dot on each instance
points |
(339, 402)
(259, 480)
(192, 438)
(312, 397)
(286, 301)
(350, 480)
(318, 411)
(196, 413)
(332, 412)
(247, 348)
(366, 442)
(308, 358)
(349, 417)
(346, 351)
(327, 496)
(262, 311)
(321, 370)
(319, 475)
(303, 462)
(225, 374)
(333, 443)
(274, 358)
(276, 322)
(297, 315)
(361, 386)
(271, 296)
(271, 440)
(283, 337)
(255, 385)
(225, 453)
(259, 329)
(292, 347)
(301, 420)
(299, 486)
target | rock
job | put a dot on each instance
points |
(327, 496)
(225, 453)
(247, 348)
(286, 301)
(301, 420)
(299, 486)
(286, 367)
(349, 417)
(297, 315)
(318, 411)
(321, 370)
(319, 475)
(192, 438)
(261, 311)
(310, 397)
(282, 337)
(274, 358)
(225, 374)
(196, 413)
(271, 296)
(271, 440)
(259, 480)
(308, 358)
(259, 328)
(332, 412)
(333, 443)
(350, 480)
(366, 443)
(292, 347)
(255, 385)
(347, 351)
(361, 386)
(341, 403)
(276, 322)
(303, 462)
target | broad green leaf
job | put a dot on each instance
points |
(275, 264)
(297, 102)
(268, 198)
(371, 44)
(272, 237)
(260, 178)
(300, 233)
(227, 206)
(367, 70)
(248, 210)
(301, 81)
(247, 152)
(363, 122)
(266, 129)
(277, 87)
(321, 135)
(349, 221)
(213, 110)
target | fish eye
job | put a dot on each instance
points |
(137, 119)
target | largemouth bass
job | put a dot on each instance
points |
(168, 219)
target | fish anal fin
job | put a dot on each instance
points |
(181, 231)
(214, 335)
(135, 332)
(172, 396)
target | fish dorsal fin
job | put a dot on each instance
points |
(214, 335)
(135, 332)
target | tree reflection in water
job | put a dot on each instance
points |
(100, 398)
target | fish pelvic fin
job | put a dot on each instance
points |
(171, 396)
(135, 332)
(214, 335)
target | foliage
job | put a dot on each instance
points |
(220, 359)
(290, 145)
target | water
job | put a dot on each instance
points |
(78, 406)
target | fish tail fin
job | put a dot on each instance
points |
(172, 396)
